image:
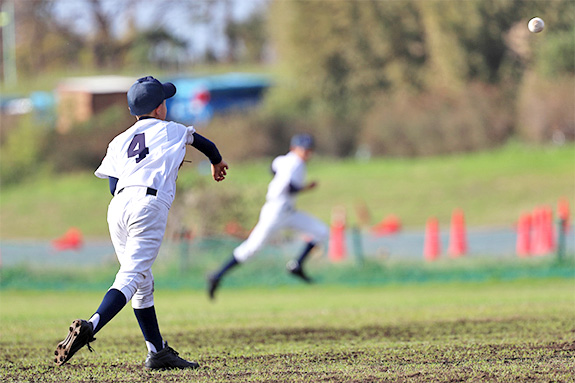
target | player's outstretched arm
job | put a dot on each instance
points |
(219, 171)
(219, 166)
(294, 189)
(311, 185)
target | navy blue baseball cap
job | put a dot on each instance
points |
(305, 141)
(147, 94)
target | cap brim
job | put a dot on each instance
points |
(169, 89)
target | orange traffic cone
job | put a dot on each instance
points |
(389, 225)
(431, 246)
(543, 235)
(537, 240)
(523, 245)
(457, 235)
(72, 240)
(336, 247)
(549, 232)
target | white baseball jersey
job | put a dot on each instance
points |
(148, 154)
(279, 210)
(288, 169)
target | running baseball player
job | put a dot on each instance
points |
(279, 212)
(142, 165)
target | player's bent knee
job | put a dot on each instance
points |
(245, 251)
(242, 257)
(128, 283)
(144, 297)
(142, 302)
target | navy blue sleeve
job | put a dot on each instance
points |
(293, 189)
(207, 147)
(113, 182)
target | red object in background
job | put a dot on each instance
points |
(457, 236)
(549, 236)
(203, 97)
(337, 247)
(389, 225)
(543, 233)
(235, 229)
(432, 246)
(523, 245)
(337, 242)
(184, 234)
(72, 240)
(537, 238)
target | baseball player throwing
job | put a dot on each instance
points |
(279, 212)
(141, 165)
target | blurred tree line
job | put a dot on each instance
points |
(425, 77)
(395, 78)
(48, 40)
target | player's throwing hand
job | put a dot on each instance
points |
(219, 171)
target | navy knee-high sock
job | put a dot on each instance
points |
(226, 267)
(305, 252)
(149, 324)
(113, 302)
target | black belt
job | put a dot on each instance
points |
(149, 191)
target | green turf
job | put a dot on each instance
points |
(493, 188)
(523, 330)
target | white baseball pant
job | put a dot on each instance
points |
(273, 218)
(137, 224)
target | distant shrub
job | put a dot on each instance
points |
(84, 146)
(546, 109)
(556, 56)
(206, 208)
(255, 135)
(21, 150)
(437, 121)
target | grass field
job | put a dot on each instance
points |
(469, 319)
(495, 331)
(493, 188)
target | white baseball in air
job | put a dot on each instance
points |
(536, 25)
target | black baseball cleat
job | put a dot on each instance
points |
(166, 359)
(213, 283)
(295, 269)
(80, 334)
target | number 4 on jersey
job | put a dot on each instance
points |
(138, 147)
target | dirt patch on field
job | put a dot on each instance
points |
(562, 346)
(410, 332)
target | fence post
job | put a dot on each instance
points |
(561, 239)
(357, 245)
